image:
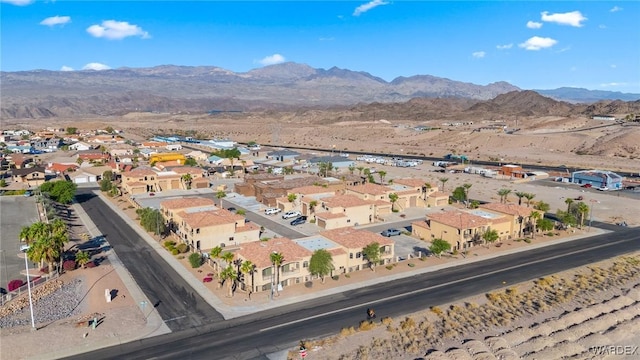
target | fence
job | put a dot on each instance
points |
(5, 298)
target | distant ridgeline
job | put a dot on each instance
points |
(216, 112)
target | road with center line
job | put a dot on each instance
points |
(203, 335)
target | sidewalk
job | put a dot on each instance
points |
(230, 312)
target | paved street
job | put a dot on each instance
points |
(15, 212)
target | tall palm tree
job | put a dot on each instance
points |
(215, 255)
(504, 193)
(443, 180)
(466, 187)
(583, 209)
(382, 174)
(520, 195)
(393, 197)
(360, 168)
(229, 275)
(367, 174)
(25, 234)
(529, 197)
(248, 268)
(568, 201)
(352, 168)
(82, 258)
(427, 186)
(186, 179)
(312, 206)
(277, 259)
(534, 217)
(228, 259)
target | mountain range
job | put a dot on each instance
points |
(183, 89)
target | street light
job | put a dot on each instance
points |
(26, 266)
(593, 201)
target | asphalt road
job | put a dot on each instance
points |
(253, 336)
(176, 302)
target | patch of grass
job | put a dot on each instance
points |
(411, 265)
(366, 325)
(347, 331)
(387, 321)
(436, 310)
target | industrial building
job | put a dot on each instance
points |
(598, 179)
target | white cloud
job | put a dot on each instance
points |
(615, 9)
(114, 30)
(479, 54)
(66, 68)
(56, 20)
(95, 66)
(573, 18)
(613, 66)
(534, 25)
(368, 6)
(272, 60)
(602, 26)
(537, 43)
(326, 39)
(18, 2)
(613, 84)
(504, 47)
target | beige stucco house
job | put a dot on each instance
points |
(204, 230)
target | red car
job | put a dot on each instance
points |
(586, 185)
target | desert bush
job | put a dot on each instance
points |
(407, 323)
(366, 325)
(386, 321)
(169, 243)
(195, 260)
(347, 331)
(69, 265)
(389, 267)
(14, 284)
(175, 251)
(182, 248)
(527, 240)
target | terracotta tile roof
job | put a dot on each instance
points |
(408, 192)
(459, 219)
(355, 239)
(247, 227)
(58, 167)
(136, 183)
(381, 203)
(438, 194)
(185, 203)
(187, 170)
(308, 190)
(259, 252)
(510, 209)
(369, 188)
(328, 215)
(154, 144)
(200, 179)
(422, 224)
(345, 201)
(138, 172)
(337, 252)
(413, 182)
(209, 218)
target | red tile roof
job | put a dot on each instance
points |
(369, 188)
(510, 209)
(185, 203)
(351, 238)
(345, 201)
(209, 218)
(459, 219)
(259, 252)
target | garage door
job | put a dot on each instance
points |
(81, 180)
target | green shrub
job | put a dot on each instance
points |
(389, 267)
(182, 248)
(195, 260)
(528, 241)
(169, 243)
(175, 251)
(411, 264)
(550, 233)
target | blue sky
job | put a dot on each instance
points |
(533, 45)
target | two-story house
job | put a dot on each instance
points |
(171, 208)
(519, 217)
(461, 229)
(33, 176)
(353, 242)
(138, 181)
(204, 230)
(345, 210)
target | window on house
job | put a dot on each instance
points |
(231, 239)
(305, 264)
(358, 255)
(197, 231)
(350, 255)
(348, 220)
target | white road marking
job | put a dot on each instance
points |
(438, 286)
(176, 318)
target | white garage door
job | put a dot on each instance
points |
(81, 180)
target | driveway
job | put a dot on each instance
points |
(17, 211)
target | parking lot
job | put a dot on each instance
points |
(17, 211)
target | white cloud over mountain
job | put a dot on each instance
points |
(536, 43)
(272, 60)
(95, 66)
(573, 18)
(115, 30)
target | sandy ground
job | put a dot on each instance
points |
(570, 324)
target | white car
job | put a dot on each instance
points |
(291, 214)
(271, 211)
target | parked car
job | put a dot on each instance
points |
(604, 188)
(391, 232)
(28, 193)
(299, 220)
(271, 211)
(586, 185)
(291, 214)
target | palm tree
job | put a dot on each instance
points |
(186, 179)
(228, 259)
(312, 206)
(360, 168)
(367, 174)
(248, 268)
(443, 180)
(228, 275)
(82, 258)
(393, 197)
(45, 250)
(277, 259)
(292, 198)
(215, 255)
(427, 186)
(542, 206)
(568, 201)
(466, 193)
(25, 234)
(504, 193)
(520, 195)
(382, 174)
(529, 197)
(583, 209)
(534, 217)
(352, 168)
